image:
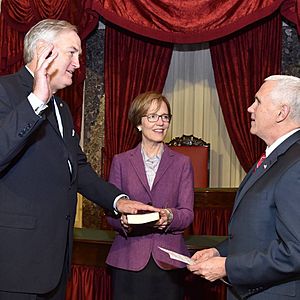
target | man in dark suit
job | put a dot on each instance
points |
(42, 168)
(261, 257)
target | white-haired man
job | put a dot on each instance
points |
(42, 168)
(261, 257)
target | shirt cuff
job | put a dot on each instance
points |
(116, 200)
(37, 105)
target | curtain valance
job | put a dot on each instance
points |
(192, 21)
(21, 15)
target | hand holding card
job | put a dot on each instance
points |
(177, 256)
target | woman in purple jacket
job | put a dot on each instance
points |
(151, 173)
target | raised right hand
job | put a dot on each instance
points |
(44, 56)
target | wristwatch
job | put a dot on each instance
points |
(170, 215)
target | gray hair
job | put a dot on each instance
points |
(287, 91)
(46, 30)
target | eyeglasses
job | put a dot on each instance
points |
(152, 118)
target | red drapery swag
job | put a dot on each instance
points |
(18, 16)
(132, 66)
(191, 21)
(240, 63)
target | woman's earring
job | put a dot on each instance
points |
(139, 128)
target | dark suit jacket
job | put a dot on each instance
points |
(263, 249)
(173, 188)
(37, 190)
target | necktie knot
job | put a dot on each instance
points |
(261, 160)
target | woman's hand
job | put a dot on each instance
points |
(124, 223)
(166, 217)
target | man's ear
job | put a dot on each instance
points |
(283, 113)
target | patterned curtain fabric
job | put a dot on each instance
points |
(240, 63)
(18, 16)
(191, 21)
(132, 66)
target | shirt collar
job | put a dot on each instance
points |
(147, 158)
(156, 157)
(271, 148)
(29, 70)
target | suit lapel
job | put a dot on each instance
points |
(50, 114)
(137, 163)
(68, 134)
(26, 80)
(165, 162)
(253, 176)
(63, 116)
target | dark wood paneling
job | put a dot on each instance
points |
(214, 197)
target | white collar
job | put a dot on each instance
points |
(29, 70)
(271, 148)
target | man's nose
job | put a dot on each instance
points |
(76, 63)
(250, 109)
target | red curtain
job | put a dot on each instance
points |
(191, 21)
(210, 221)
(199, 21)
(17, 16)
(132, 66)
(89, 283)
(240, 63)
(94, 283)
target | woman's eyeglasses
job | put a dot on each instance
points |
(152, 118)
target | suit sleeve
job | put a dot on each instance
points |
(115, 178)
(223, 248)
(281, 259)
(17, 123)
(183, 213)
(91, 185)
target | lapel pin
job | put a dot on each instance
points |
(265, 166)
(61, 105)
